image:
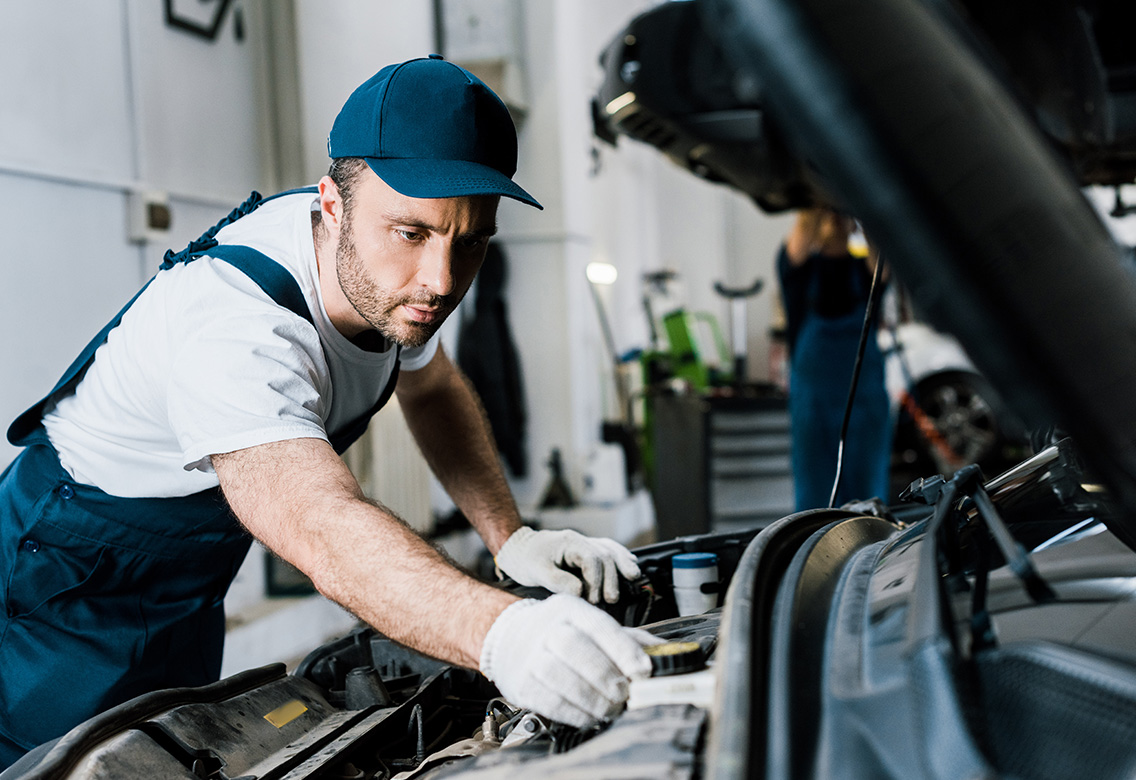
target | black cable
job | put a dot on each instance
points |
(869, 313)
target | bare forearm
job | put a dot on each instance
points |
(452, 431)
(396, 582)
(300, 500)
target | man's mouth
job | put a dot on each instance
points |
(422, 314)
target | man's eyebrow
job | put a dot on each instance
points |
(485, 232)
(395, 218)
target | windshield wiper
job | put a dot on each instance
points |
(946, 495)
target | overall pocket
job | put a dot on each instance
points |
(66, 646)
(48, 565)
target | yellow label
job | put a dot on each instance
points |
(672, 648)
(286, 713)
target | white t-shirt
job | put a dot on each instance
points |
(206, 362)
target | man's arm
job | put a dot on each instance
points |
(561, 657)
(299, 498)
(447, 421)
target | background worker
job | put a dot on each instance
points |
(825, 291)
(224, 392)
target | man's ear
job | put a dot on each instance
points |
(331, 205)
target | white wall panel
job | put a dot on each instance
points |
(693, 235)
(538, 168)
(341, 45)
(103, 99)
(201, 104)
(752, 243)
(627, 234)
(539, 319)
(63, 275)
(64, 103)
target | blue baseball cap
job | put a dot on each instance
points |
(430, 129)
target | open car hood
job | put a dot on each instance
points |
(963, 161)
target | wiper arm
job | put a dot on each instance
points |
(944, 495)
(967, 483)
(1018, 559)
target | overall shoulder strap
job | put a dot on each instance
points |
(269, 275)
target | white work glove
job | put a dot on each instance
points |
(535, 558)
(564, 659)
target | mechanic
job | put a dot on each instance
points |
(227, 386)
(824, 289)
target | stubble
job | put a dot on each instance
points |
(378, 305)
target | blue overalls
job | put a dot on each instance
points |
(821, 366)
(107, 598)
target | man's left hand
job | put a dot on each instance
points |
(537, 558)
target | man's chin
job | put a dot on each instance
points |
(412, 334)
(404, 331)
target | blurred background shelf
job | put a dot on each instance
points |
(722, 463)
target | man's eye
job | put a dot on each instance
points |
(409, 235)
(472, 243)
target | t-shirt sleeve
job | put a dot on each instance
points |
(244, 370)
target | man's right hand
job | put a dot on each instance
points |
(564, 659)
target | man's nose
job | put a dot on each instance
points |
(436, 272)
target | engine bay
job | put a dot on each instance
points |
(363, 706)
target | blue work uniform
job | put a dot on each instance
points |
(825, 303)
(106, 598)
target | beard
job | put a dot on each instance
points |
(378, 305)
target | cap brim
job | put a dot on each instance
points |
(427, 178)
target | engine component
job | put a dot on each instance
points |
(675, 658)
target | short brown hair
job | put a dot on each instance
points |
(345, 172)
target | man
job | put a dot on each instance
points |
(227, 387)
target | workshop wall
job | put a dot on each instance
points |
(104, 108)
